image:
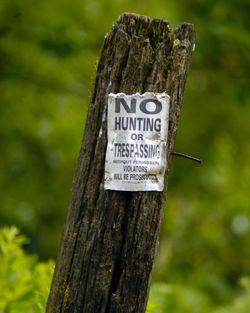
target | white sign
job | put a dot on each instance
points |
(137, 141)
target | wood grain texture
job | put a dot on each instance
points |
(110, 237)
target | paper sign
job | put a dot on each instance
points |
(137, 141)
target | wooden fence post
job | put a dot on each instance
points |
(110, 237)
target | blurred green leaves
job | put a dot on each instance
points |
(43, 107)
(174, 298)
(166, 298)
(24, 283)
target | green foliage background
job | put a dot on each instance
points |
(24, 283)
(48, 53)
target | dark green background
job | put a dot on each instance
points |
(48, 54)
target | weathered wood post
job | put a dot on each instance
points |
(110, 237)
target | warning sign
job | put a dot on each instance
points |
(137, 141)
